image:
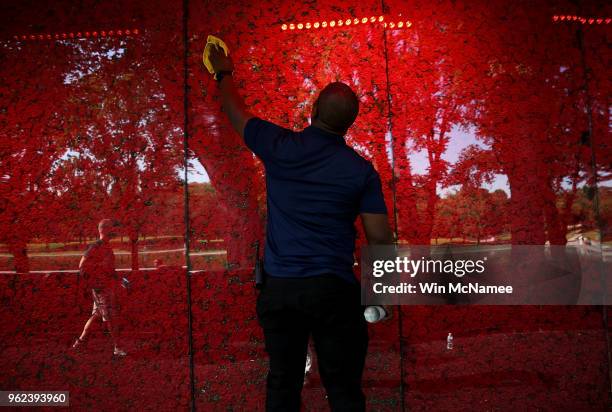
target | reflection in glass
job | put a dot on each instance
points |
(97, 268)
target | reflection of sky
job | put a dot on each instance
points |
(196, 172)
(94, 63)
(459, 140)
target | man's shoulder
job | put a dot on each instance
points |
(92, 247)
(357, 158)
(256, 123)
(96, 244)
(263, 137)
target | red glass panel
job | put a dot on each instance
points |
(489, 124)
(92, 128)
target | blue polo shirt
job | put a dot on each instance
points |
(316, 188)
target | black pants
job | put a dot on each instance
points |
(329, 309)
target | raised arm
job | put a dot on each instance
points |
(232, 103)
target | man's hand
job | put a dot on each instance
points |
(233, 104)
(219, 61)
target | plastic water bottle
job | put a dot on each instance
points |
(374, 314)
(449, 341)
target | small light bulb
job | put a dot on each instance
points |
(332, 23)
(340, 23)
(381, 18)
(408, 23)
(316, 25)
(284, 27)
(127, 32)
(324, 24)
(392, 25)
(308, 25)
(291, 26)
(348, 22)
(364, 20)
(372, 19)
(300, 26)
(400, 24)
(355, 21)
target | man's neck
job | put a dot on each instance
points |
(320, 125)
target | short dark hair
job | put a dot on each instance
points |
(338, 106)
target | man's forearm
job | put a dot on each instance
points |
(233, 104)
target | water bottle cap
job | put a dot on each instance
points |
(373, 314)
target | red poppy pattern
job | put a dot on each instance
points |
(488, 123)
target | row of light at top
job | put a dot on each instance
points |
(78, 35)
(347, 22)
(583, 20)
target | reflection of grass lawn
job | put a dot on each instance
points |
(36, 246)
(592, 235)
(503, 238)
(118, 243)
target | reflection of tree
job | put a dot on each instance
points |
(90, 135)
(32, 141)
(472, 213)
(493, 67)
(593, 41)
(431, 94)
(532, 117)
(238, 181)
(478, 212)
(128, 133)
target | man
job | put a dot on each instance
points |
(316, 187)
(97, 267)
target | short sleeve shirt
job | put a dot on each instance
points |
(99, 265)
(316, 188)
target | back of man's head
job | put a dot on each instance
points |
(337, 107)
(107, 227)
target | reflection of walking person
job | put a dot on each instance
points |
(97, 267)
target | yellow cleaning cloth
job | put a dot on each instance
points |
(210, 41)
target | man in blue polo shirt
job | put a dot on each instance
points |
(316, 188)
